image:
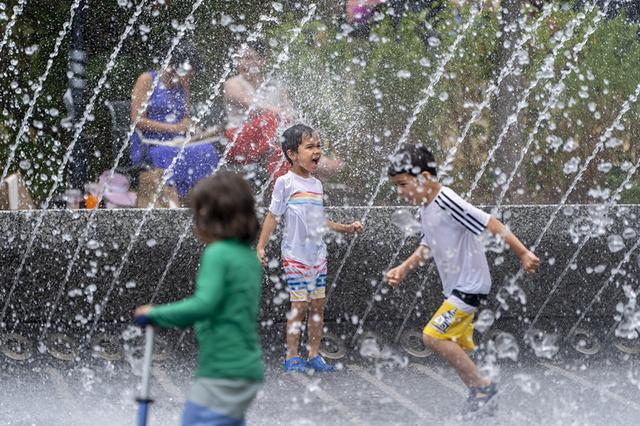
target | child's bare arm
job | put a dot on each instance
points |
(529, 260)
(345, 228)
(417, 258)
(269, 225)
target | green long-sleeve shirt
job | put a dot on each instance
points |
(224, 310)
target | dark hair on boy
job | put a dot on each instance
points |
(224, 208)
(292, 138)
(413, 160)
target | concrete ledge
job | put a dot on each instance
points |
(92, 275)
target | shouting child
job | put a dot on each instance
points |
(298, 197)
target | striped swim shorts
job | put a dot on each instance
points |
(305, 282)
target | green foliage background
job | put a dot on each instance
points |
(358, 92)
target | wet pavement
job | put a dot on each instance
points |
(399, 391)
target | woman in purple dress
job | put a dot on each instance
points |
(167, 118)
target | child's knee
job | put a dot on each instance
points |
(431, 342)
(297, 311)
(317, 305)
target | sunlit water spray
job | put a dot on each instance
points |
(79, 127)
(256, 34)
(429, 92)
(556, 91)
(24, 126)
(512, 283)
(507, 70)
(545, 72)
(612, 201)
(165, 178)
(91, 219)
(542, 116)
(176, 40)
(615, 271)
(282, 57)
(17, 11)
(446, 167)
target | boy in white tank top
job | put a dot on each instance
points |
(451, 227)
(298, 197)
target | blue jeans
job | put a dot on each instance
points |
(198, 415)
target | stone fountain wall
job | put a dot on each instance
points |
(92, 275)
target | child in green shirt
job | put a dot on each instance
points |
(224, 308)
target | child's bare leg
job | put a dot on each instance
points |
(458, 359)
(294, 327)
(316, 323)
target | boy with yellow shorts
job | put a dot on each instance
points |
(451, 230)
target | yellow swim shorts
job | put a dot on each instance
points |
(451, 323)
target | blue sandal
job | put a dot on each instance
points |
(320, 365)
(294, 364)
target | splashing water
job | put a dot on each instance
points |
(509, 69)
(404, 220)
(548, 64)
(429, 93)
(17, 11)
(544, 345)
(556, 91)
(165, 177)
(24, 126)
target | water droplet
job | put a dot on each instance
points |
(92, 244)
(507, 346)
(613, 142)
(443, 96)
(615, 243)
(571, 166)
(130, 284)
(151, 242)
(405, 221)
(276, 6)
(485, 320)
(433, 41)
(237, 28)
(605, 167)
(25, 164)
(225, 20)
(403, 74)
(629, 233)
(31, 50)
(370, 348)
(544, 345)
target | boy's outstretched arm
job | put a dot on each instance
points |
(529, 261)
(345, 228)
(417, 258)
(268, 226)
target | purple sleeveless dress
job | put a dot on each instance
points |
(168, 105)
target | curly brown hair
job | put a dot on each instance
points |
(224, 208)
